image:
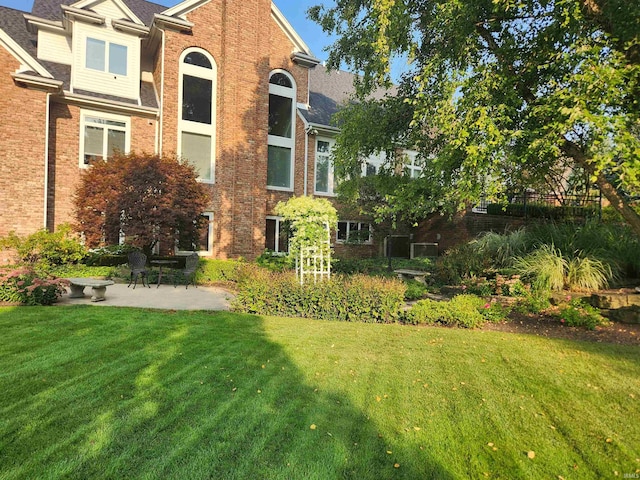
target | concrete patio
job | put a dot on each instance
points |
(165, 297)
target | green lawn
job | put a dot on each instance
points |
(98, 392)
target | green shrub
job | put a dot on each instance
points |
(346, 298)
(274, 262)
(23, 285)
(463, 261)
(212, 270)
(502, 249)
(414, 290)
(580, 314)
(533, 302)
(108, 256)
(495, 312)
(79, 270)
(542, 210)
(45, 249)
(379, 265)
(462, 310)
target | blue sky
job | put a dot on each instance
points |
(294, 10)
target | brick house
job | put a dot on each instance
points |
(226, 85)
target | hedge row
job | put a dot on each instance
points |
(469, 311)
(535, 210)
(355, 298)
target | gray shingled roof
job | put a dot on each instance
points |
(328, 92)
(147, 96)
(13, 24)
(50, 9)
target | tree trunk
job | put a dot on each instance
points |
(619, 203)
(609, 191)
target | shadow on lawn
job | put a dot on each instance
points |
(161, 395)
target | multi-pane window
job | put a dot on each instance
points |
(102, 135)
(282, 97)
(354, 232)
(325, 180)
(412, 168)
(106, 56)
(196, 139)
(276, 235)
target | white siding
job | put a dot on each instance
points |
(54, 47)
(104, 82)
(109, 9)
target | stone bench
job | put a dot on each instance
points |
(412, 274)
(99, 288)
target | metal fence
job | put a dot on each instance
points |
(535, 205)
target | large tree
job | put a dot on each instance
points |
(148, 198)
(494, 92)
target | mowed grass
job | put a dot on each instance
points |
(91, 392)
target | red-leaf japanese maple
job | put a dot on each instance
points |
(148, 198)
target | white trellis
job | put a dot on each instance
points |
(314, 262)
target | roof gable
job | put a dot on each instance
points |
(141, 9)
(119, 4)
(298, 44)
(15, 38)
(181, 9)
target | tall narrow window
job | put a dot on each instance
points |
(282, 100)
(102, 135)
(196, 136)
(276, 235)
(325, 182)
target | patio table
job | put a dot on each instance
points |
(160, 264)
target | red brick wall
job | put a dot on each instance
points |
(22, 131)
(64, 157)
(246, 45)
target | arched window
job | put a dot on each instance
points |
(282, 104)
(197, 122)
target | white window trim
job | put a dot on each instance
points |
(331, 183)
(349, 222)
(196, 127)
(279, 222)
(106, 116)
(209, 250)
(276, 141)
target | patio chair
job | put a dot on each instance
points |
(189, 271)
(138, 266)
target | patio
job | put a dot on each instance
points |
(166, 297)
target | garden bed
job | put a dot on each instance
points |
(548, 326)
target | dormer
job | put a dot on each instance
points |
(100, 40)
(106, 47)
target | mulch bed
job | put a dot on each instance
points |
(545, 326)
